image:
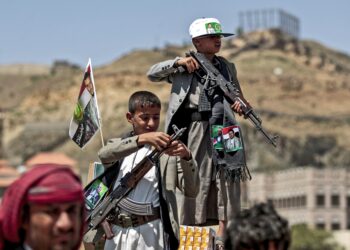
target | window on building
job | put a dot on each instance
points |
(303, 201)
(320, 200)
(275, 202)
(348, 201)
(297, 201)
(269, 200)
(320, 225)
(292, 201)
(335, 200)
(280, 203)
(335, 226)
(335, 223)
(284, 202)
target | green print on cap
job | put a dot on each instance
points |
(213, 28)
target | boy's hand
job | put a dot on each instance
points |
(177, 148)
(236, 107)
(159, 140)
(189, 63)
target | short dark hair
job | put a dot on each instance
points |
(143, 99)
(255, 228)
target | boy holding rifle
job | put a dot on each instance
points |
(203, 110)
(147, 217)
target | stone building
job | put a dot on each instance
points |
(318, 197)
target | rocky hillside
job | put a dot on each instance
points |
(301, 90)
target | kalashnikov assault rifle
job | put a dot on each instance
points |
(108, 205)
(232, 92)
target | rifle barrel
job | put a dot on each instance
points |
(258, 126)
(232, 93)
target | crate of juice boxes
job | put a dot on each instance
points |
(196, 238)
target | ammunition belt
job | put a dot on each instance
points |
(126, 220)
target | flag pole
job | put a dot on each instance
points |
(98, 110)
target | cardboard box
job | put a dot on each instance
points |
(196, 238)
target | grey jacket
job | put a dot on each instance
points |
(165, 71)
(181, 82)
(184, 176)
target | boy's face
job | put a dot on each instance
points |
(144, 120)
(208, 44)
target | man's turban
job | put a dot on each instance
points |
(44, 184)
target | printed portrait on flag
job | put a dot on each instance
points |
(85, 121)
(216, 137)
(232, 138)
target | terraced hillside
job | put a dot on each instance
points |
(301, 90)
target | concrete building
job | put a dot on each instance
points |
(317, 197)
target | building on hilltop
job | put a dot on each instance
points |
(253, 20)
(318, 197)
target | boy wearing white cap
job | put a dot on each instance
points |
(202, 110)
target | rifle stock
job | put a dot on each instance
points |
(232, 93)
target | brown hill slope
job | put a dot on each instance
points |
(300, 88)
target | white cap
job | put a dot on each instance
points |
(206, 26)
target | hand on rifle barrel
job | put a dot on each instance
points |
(177, 148)
(237, 107)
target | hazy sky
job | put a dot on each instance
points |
(41, 31)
